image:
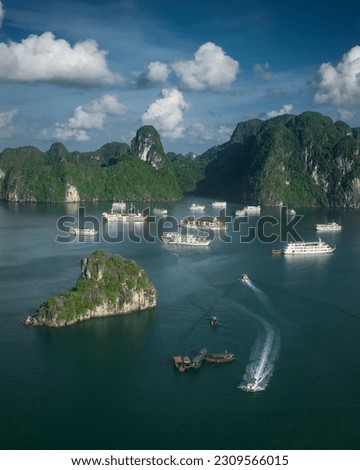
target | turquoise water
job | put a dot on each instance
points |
(110, 383)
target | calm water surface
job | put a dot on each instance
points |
(110, 383)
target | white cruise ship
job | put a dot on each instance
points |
(112, 216)
(307, 248)
(330, 227)
(218, 204)
(252, 209)
(196, 207)
(130, 216)
(212, 223)
(158, 211)
(175, 238)
(83, 231)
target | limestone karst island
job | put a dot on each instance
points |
(108, 285)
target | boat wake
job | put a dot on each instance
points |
(265, 351)
(260, 294)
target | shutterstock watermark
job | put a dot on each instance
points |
(228, 228)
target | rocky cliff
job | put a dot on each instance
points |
(108, 285)
(148, 147)
(304, 160)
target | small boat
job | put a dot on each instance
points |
(219, 358)
(276, 252)
(240, 212)
(179, 363)
(251, 387)
(214, 321)
(330, 227)
(245, 277)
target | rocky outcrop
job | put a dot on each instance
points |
(148, 147)
(71, 194)
(304, 160)
(108, 285)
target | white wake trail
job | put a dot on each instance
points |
(265, 351)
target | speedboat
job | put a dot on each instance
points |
(245, 277)
(251, 387)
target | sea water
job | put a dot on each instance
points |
(110, 383)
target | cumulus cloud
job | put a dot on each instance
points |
(262, 71)
(211, 69)
(6, 127)
(2, 13)
(340, 85)
(47, 59)
(166, 113)
(88, 116)
(286, 109)
(155, 73)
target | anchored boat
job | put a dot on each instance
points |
(219, 358)
(330, 227)
(174, 238)
(83, 231)
(308, 248)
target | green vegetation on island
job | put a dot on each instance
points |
(108, 285)
(304, 160)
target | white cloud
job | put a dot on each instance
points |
(47, 59)
(340, 85)
(211, 69)
(166, 113)
(93, 114)
(345, 115)
(62, 132)
(262, 71)
(6, 127)
(88, 116)
(157, 72)
(203, 132)
(2, 13)
(286, 109)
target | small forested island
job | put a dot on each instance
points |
(108, 285)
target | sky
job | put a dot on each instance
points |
(85, 73)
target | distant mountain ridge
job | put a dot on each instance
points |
(297, 160)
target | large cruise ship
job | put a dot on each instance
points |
(330, 227)
(307, 248)
(174, 238)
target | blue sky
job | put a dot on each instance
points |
(86, 73)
